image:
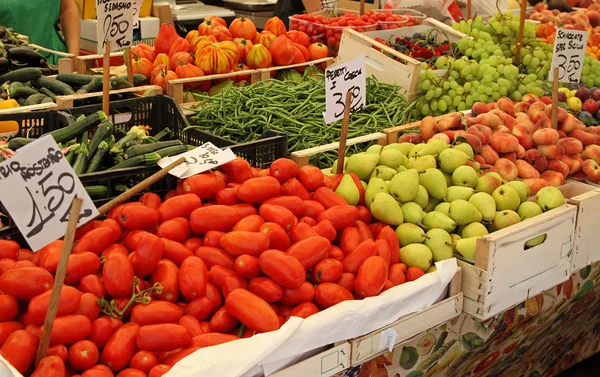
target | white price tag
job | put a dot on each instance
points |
(569, 50)
(38, 186)
(198, 160)
(387, 339)
(340, 79)
(137, 5)
(115, 24)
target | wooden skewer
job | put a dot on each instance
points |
(139, 187)
(362, 7)
(59, 278)
(344, 134)
(555, 99)
(106, 80)
(469, 7)
(128, 65)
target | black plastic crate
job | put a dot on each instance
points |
(157, 112)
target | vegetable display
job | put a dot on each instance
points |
(295, 108)
(226, 255)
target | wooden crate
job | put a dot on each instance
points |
(68, 101)
(587, 200)
(368, 347)
(301, 157)
(83, 63)
(393, 133)
(175, 87)
(506, 274)
(323, 364)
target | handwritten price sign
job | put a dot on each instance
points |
(198, 160)
(569, 50)
(115, 23)
(38, 186)
(340, 79)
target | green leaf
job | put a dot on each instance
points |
(585, 288)
(415, 373)
(585, 272)
(471, 340)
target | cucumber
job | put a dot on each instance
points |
(18, 142)
(12, 87)
(164, 132)
(82, 155)
(172, 151)
(139, 149)
(49, 93)
(75, 80)
(36, 99)
(23, 92)
(103, 131)
(97, 191)
(22, 75)
(98, 157)
(55, 86)
(95, 85)
(119, 83)
(138, 80)
(148, 159)
(79, 127)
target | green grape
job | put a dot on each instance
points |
(442, 106)
(483, 98)
(429, 95)
(425, 109)
(437, 92)
(433, 105)
(425, 84)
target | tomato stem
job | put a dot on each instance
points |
(139, 296)
(242, 329)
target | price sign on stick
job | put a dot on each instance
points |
(348, 77)
(569, 50)
(115, 24)
(38, 186)
(137, 6)
(198, 160)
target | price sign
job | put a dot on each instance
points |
(569, 50)
(198, 160)
(350, 76)
(38, 186)
(137, 6)
(115, 24)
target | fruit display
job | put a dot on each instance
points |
(582, 102)
(296, 108)
(226, 255)
(421, 46)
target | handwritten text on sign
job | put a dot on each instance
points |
(115, 24)
(569, 50)
(38, 186)
(198, 160)
(350, 76)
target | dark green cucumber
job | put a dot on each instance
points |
(138, 80)
(119, 83)
(36, 99)
(54, 85)
(148, 159)
(98, 157)
(12, 87)
(139, 149)
(165, 132)
(95, 85)
(48, 92)
(103, 132)
(172, 151)
(75, 80)
(23, 92)
(82, 155)
(79, 127)
(22, 75)
(97, 191)
(18, 142)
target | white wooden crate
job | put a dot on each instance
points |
(505, 273)
(323, 364)
(587, 200)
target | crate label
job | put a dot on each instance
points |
(569, 50)
(348, 77)
(38, 187)
(198, 160)
(115, 24)
(330, 362)
(387, 339)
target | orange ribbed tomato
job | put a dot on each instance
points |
(259, 57)
(282, 50)
(180, 58)
(243, 28)
(191, 36)
(207, 26)
(220, 57)
(244, 46)
(142, 66)
(162, 77)
(189, 70)
(202, 41)
(221, 33)
(215, 20)
(299, 37)
(241, 67)
(162, 59)
(265, 38)
(275, 26)
(180, 45)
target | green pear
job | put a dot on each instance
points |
(496, 175)
(465, 176)
(485, 204)
(362, 164)
(405, 186)
(443, 207)
(416, 255)
(431, 204)
(440, 244)
(422, 197)
(448, 178)
(415, 150)
(439, 145)
(401, 168)
(431, 269)
(505, 219)
(487, 183)
(438, 220)
(427, 150)
(521, 188)
(383, 172)
(474, 230)
(549, 198)
(452, 158)
(408, 233)
(535, 241)
(374, 149)
(347, 189)
(392, 158)
(464, 212)
(467, 247)
(413, 213)
(405, 147)
(434, 182)
(386, 209)
(422, 163)
(527, 210)
(466, 148)
(459, 192)
(375, 186)
(506, 197)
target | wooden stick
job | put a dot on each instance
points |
(59, 278)
(344, 135)
(521, 28)
(106, 80)
(555, 99)
(469, 14)
(139, 187)
(128, 64)
(362, 7)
